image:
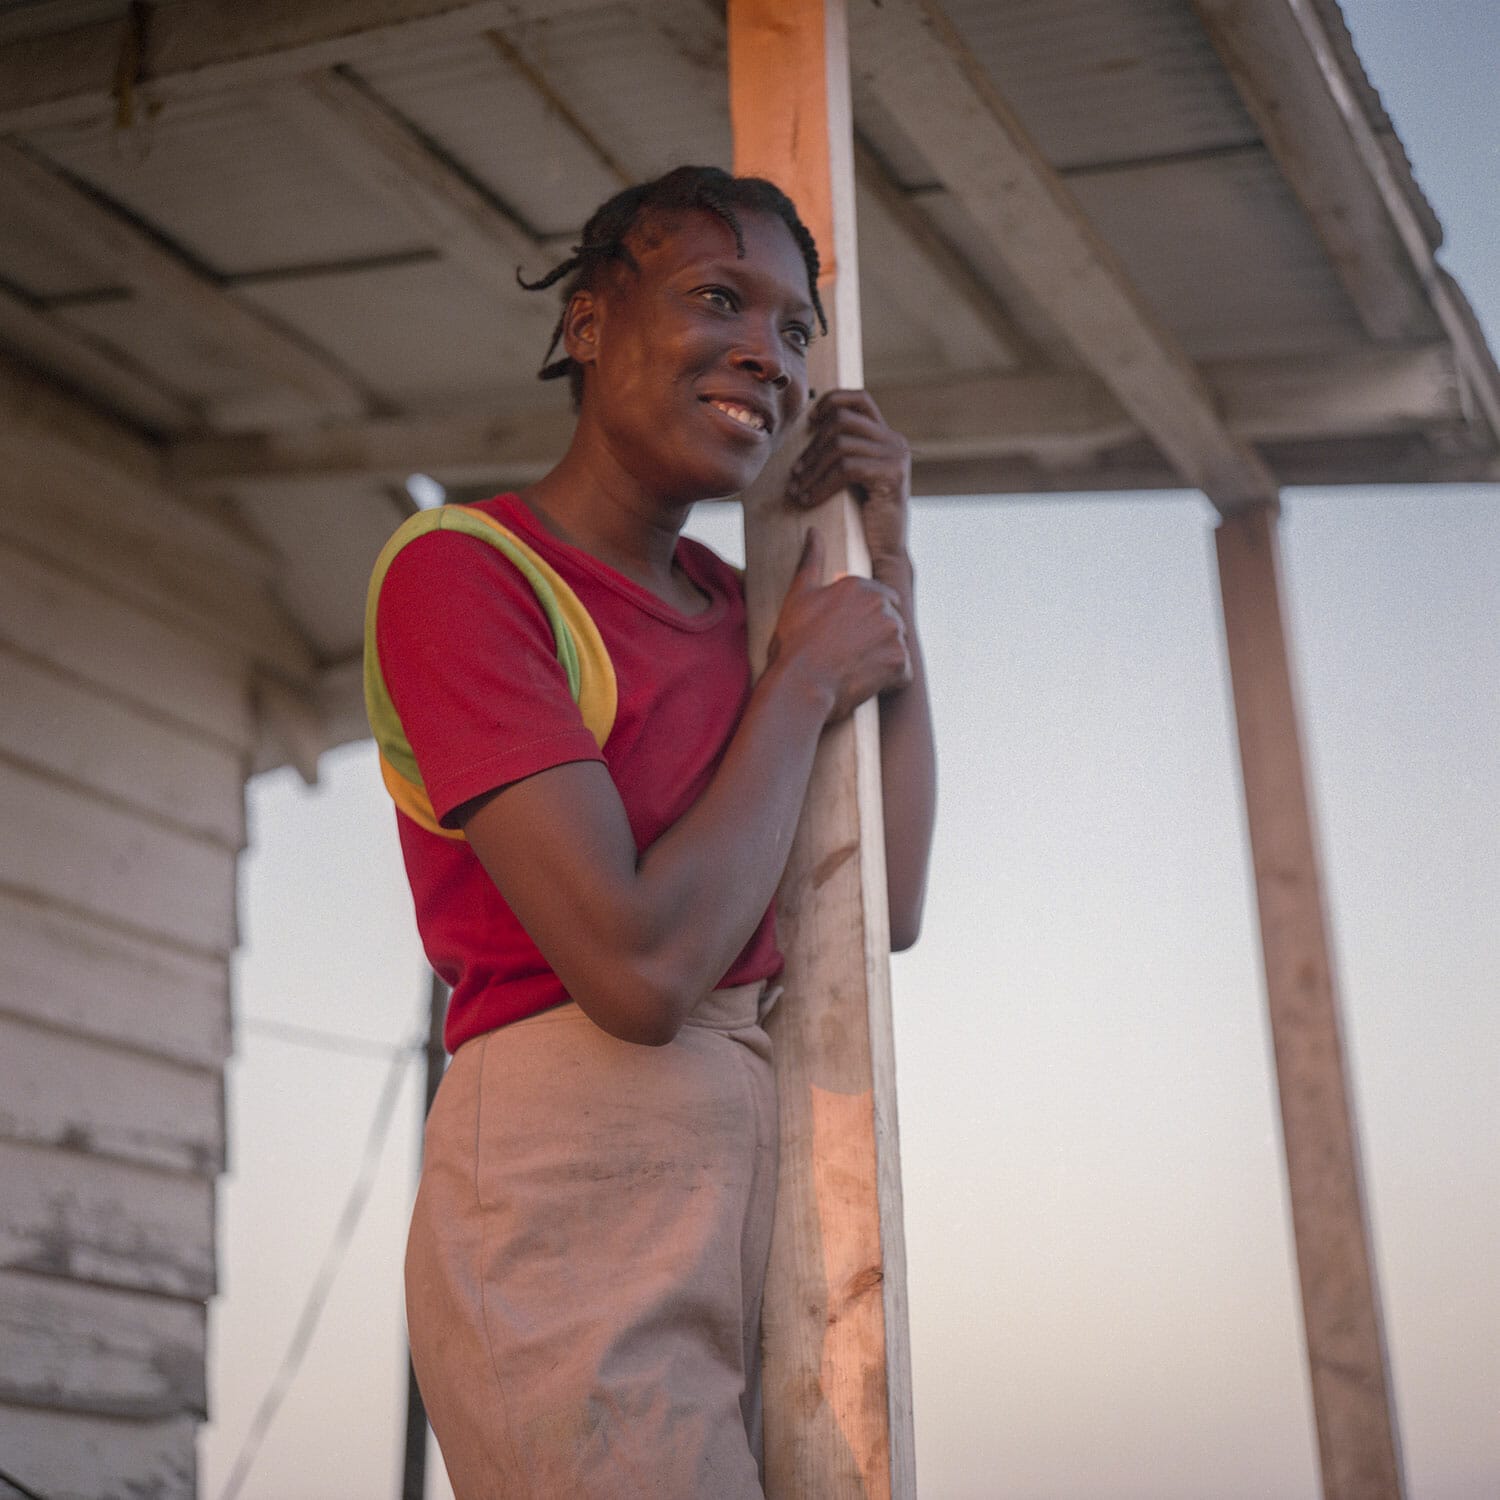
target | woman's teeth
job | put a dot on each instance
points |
(741, 414)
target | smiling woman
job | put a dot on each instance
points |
(595, 807)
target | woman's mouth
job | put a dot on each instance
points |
(746, 416)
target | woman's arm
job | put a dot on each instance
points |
(908, 771)
(638, 940)
(850, 447)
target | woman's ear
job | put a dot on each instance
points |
(580, 327)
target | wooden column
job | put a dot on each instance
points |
(1356, 1422)
(837, 1376)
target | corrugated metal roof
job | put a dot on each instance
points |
(1105, 82)
(1222, 252)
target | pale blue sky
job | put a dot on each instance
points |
(1101, 1289)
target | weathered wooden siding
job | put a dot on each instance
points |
(136, 1460)
(125, 733)
(98, 1349)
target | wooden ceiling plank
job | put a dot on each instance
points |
(387, 156)
(1266, 53)
(138, 261)
(907, 52)
(198, 47)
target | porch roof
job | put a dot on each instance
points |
(265, 254)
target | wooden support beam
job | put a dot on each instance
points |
(134, 259)
(1138, 466)
(907, 52)
(1062, 420)
(455, 448)
(1356, 1421)
(197, 47)
(837, 1361)
(1073, 415)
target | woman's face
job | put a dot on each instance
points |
(695, 362)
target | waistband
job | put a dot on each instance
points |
(736, 1006)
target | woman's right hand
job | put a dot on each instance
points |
(845, 640)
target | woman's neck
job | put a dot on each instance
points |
(615, 523)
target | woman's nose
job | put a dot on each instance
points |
(764, 365)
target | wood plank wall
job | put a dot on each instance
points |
(124, 742)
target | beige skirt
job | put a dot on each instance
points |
(587, 1255)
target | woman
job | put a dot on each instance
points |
(593, 867)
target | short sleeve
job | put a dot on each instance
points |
(471, 666)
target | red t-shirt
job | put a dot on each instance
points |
(470, 663)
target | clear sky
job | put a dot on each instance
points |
(1102, 1296)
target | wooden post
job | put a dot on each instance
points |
(414, 1452)
(1356, 1421)
(837, 1371)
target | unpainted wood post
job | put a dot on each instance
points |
(414, 1466)
(1356, 1421)
(837, 1363)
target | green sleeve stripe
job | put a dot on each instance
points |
(385, 723)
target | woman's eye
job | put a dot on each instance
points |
(799, 336)
(720, 297)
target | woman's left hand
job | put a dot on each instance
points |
(849, 446)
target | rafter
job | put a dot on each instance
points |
(472, 445)
(907, 52)
(152, 272)
(1060, 420)
(1406, 459)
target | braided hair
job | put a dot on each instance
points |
(604, 236)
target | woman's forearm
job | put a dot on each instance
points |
(705, 884)
(639, 938)
(908, 772)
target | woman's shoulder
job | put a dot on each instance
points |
(443, 570)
